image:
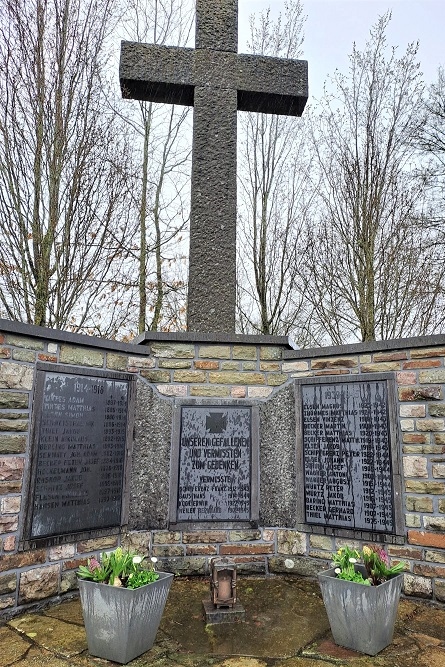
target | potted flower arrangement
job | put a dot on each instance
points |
(361, 600)
(122, 598)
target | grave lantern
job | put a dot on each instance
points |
(223, 582)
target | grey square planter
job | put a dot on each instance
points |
(361, 617)
(121, 623)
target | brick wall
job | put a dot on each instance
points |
(236, 368)
(212, 370)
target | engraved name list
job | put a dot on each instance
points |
(80, 444)
(347, 455)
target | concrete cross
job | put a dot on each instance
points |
(217, 81)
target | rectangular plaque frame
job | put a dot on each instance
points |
(174, 523)
(27, 540)
(395, 458)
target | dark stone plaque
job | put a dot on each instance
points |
(79, 453)
(348, 479)
(215, 456)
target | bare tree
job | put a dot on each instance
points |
(432, 135)
(273, 201)
(163, 178)
(431, 142)
(63, 161)
(369, 270)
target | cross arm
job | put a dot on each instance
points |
(156, 73)
(169, 74)
(271, 85)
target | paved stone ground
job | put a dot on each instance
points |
(286, 626)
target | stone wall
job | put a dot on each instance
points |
(260, 369)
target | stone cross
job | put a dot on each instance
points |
(217, 81)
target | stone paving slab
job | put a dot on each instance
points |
(40, 658)
(69, 611)
(12, 647)
(271, 605)
(286, 627)
(428, 621)
(65, 639)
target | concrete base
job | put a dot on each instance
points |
(223, 614)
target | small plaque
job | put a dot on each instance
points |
(348, 478)
(215, 458)
(79, 453)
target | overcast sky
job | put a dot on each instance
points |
(333, 25)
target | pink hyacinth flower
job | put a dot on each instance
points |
(93, 564)
(383, 556)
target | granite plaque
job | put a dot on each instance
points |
(215, 460)
(348, 477)
(79, 453)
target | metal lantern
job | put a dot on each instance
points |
(223, 582)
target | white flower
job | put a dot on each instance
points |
(289, 563)
(353, 560)
(137, 560)
(337, 570)
(154, 559)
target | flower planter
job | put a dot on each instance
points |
(122, 623)
(361, 617)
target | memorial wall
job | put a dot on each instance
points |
(298, 450)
